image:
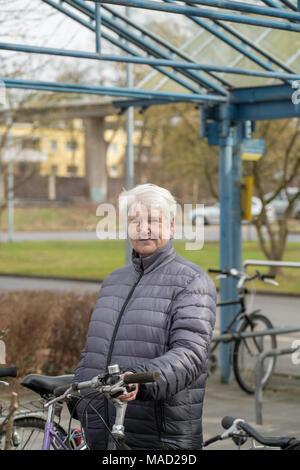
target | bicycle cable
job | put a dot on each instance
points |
(88, 404)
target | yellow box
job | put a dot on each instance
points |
(247, 193)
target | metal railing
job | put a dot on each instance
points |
(259, 375)
(271, 352)
(271, 263)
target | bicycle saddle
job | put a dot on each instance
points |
(45, 385)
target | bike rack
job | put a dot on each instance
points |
(277, 264)
(259, 373)
(278, 352)
(226, 337)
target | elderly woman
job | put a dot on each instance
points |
(155, 314)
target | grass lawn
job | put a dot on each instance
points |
(97, 259)
(68, 218)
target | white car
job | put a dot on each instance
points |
(211, 214)
(280, 202)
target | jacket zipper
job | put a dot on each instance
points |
(114, 337)
(160, 416)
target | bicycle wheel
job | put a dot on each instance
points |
(28, 433)
(245, 352)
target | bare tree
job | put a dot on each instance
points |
(277, 170)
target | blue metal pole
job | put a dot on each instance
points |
(129, 146)
(97, 90)
(191, 11)
(272, 10)
(98, 27)
(225, 191)
(236, 204)
(146, 60)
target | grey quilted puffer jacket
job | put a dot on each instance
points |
(155, 314)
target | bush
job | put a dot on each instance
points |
(46, 330)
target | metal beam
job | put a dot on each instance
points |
(240, 47)
(97, 90)
(170, 47)
(117, 43)
(248, 8)
(190, 11)
(147, 61)
(144, 44)
(262, 94)
(265, 110)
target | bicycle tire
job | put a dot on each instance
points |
(28, 433)
(245, 352)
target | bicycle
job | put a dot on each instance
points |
(112, 384)
(240, 432)
(29, 425)
(6, 421)
(35, 432)
(244, 351)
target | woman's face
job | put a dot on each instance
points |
(148, 229)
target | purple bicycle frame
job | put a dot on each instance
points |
(50, 436)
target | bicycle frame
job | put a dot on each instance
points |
(50, 436)
(241, 311)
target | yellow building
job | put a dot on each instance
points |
(61, 150)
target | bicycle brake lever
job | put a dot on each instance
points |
(271, 281)
(232, 430)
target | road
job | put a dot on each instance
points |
(211, 233)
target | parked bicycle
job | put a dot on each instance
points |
(7, 414)
(29, 424)
(241, 432)
(244, 351)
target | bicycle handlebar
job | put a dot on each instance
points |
(10, 371)
(283, 442)
(98, 380)
(243, 277)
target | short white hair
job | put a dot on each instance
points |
(150, 195)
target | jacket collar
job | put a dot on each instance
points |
(162, 255)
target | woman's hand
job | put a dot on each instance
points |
(131, 395)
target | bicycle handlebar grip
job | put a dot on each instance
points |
(10, 371)
(61, 390)
(227, 421)
(268, 276)
(141, 377)
(226, 272)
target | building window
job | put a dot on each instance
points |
(71, 145)
(53, 145)
(72, 170)
(53, 169)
